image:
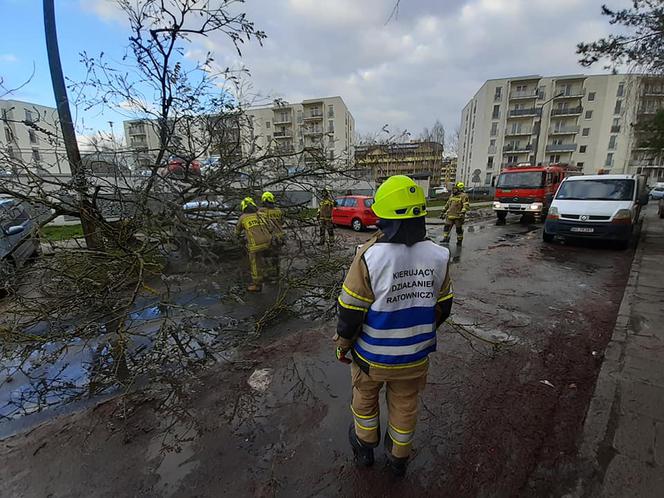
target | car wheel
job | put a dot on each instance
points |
(547, 237)
(357, 225)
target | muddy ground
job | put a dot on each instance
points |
(493, 421)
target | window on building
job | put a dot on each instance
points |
(28, 116)
(36, 157)
(512, 159)
(618, 108)
(616, 121)
(330, 155)
(621, 89)
(609, 159)
(591, 96)
(496, 112)
(492, 142)
(33, 136)
(499, 93)
(9, 137)
(5, 114)
(299, 116)
(585, 132)
(612, 141)
(330, 126)
(579, 165)
(541, 93)
(494, 129)
(583, 149)
(589, 114)
(489, 162)
(330, 111)
(554, 158)
(487, 179)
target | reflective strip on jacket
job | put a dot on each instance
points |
(254, 225)
(398, 287)
(275, 220)
(325, 209)
(457, 205)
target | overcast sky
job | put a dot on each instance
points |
(422, 65)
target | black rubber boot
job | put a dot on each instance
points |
(396, 466)
(364, 454)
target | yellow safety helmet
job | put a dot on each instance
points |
(460, 185)
(399, 198)
(247, 201)
(267, 197)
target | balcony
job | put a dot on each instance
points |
(313, 131)
(567, 111)
(282, 120)
(519, 133)
(565, 130)
(573, 93)
(653, 91)
(518, 148)
(313, 115)
(648, 110)
(283, 134)
(532, 94)
(615, 129)
(570, 147)
(522, 113)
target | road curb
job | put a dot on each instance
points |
(596, 450)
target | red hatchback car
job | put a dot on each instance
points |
(354, 211)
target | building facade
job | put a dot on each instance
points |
(416, 159)
(30, 138)
(586, 121)
(303, 131)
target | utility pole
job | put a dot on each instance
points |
(67, 126)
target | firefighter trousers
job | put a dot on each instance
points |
(401, 395)
(326, 226)
(449, 223)
(272, 260)
(256, 266)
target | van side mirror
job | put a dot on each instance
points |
(14, 230)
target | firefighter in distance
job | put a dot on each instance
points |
(454, 213)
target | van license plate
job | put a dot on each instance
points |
(515, 206)
(582, 229)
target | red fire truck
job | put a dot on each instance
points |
(528, 189)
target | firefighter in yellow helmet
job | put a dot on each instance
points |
(454, 212)
(395, 295)
(258, 239)
(325, 217)
(274, 217)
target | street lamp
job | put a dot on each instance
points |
(539, 127)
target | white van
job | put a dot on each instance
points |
(603, 207)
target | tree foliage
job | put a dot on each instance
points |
(434, 134)
(639, 42)
(651, 132)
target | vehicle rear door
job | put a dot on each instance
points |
(338, 211)
(351, 210)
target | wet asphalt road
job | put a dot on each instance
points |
(494, 421)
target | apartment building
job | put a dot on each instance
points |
(587, 121)
(30, 138)
(316, 127)
(416, 159)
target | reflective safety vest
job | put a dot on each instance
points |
(398, 286)
(255, 227)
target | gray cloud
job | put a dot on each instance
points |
(421, 66)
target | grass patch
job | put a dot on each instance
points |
(59, 233)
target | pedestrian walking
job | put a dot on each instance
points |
(396, 294)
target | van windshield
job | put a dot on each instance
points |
(596, 190)
(521, 179)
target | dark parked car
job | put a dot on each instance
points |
(18, 240)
